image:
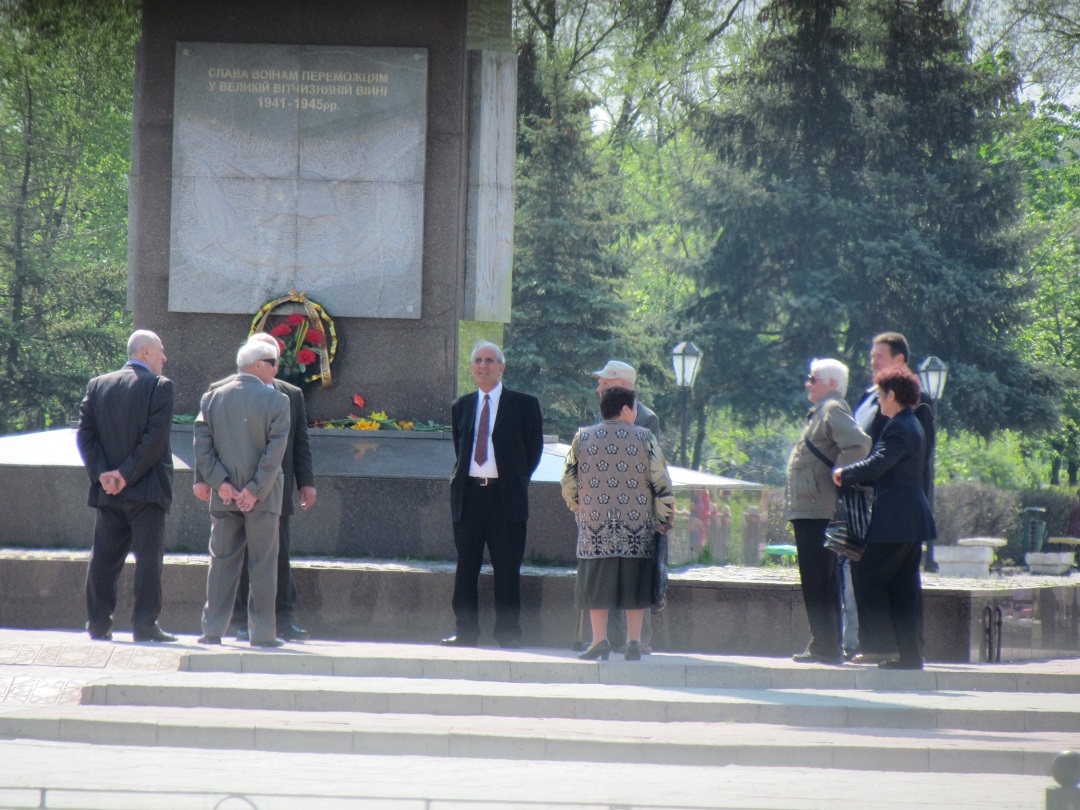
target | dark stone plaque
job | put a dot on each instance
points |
(298, 167)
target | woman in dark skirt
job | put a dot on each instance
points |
(617, 484)
(888, 590)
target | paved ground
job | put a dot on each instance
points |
(44, 671)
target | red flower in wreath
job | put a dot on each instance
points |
(307, 339)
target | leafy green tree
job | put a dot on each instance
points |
(1042, 37)
(853, 193)
(66, 70)
(567, 296)
(1048, 147)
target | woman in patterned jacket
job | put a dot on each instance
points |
(616, 482)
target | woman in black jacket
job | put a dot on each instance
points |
(887, 585)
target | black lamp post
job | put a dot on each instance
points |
(932, 375)
(686, 357)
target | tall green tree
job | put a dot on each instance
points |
(567, 296)
(66, 70)
(630, 67)
(854, 193)
(1048, 147)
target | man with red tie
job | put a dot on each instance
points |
(498, 441)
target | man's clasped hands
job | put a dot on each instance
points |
(244, 500)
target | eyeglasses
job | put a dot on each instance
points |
(811, 379)
(268, 361)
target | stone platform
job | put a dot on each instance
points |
(348, 725)
(730, 610)
(381, 494)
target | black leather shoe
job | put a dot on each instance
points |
(106, 636)
(154, 633)
(898, 664)
(291, 632)
(209, 639)
(633, 651)
(242, 633)
(510, 644)
(458, 641)
(602, 649)
(811, 658)
(277, 642)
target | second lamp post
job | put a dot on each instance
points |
(686, 357)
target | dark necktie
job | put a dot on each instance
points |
(482, 431)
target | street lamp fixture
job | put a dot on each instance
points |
(932, 374)
(686, 358)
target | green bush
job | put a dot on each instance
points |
(980, 510)
(779, 529)
(973, 510)
(968, 509)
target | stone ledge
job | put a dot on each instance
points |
(717, 609)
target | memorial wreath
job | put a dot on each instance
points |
(308, 339)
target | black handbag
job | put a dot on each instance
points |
(660, 572)
(846, 533)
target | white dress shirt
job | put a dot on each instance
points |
(867, 410)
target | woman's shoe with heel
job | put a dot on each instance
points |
(602, 649)
(633, 651)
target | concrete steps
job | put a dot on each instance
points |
(830, 708)
(661, 670)
(546, 706)
(543, 739)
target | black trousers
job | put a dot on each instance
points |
(135, 527)
(285, 604)
(888, 594)
(483, 524)
(819, 572)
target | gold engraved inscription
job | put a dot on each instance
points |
(297, 89)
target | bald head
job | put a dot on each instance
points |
(138, 339)
(145, 347)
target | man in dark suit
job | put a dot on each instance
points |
(297, 468)
(498, 439)
(889, 350)
(125, 421)
(240, 438)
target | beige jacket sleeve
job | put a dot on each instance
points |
(663, 496)
(569, 476)
(845, 433)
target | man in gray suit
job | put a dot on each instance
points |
(240, 438)
(616, 373)
(299, 473)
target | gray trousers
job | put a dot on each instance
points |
(230, 533)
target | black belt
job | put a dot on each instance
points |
(482, 482)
